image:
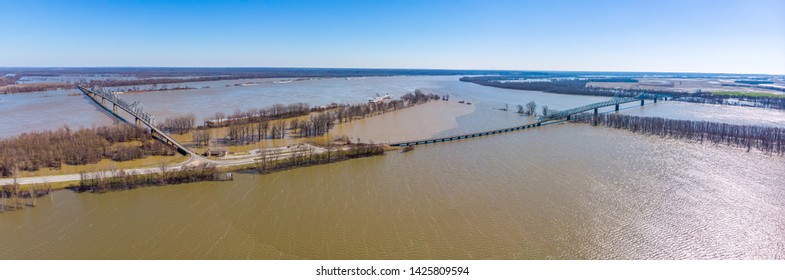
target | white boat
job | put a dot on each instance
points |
(380, 98)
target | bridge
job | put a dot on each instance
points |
(141, 118)
(552, 117)
(616, 101)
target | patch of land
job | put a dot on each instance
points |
(409, 123)
(750, 94)
(104, 164)
(687, 85)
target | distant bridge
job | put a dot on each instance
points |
(141, 118)
(554, 116)
(616, 101)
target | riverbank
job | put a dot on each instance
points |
(584, 87)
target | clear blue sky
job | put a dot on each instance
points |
(746, 36)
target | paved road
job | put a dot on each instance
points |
(193, 160)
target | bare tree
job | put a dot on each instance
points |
(531, 108)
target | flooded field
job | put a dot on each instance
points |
(562, 191)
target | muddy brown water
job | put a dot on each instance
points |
(563, 191)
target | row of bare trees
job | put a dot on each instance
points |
(255, 115)
(201, 137)
(419, 97)
(19, 88)
(258, 124)
(770, 140)
(52, 148)
(344, 111)
(116, 179)
(254, 132)
(15, 197)
(530, 109)
(8, 80)
(316, 125)
(306, 156)
(179, 124)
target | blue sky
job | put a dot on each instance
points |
(682, 36)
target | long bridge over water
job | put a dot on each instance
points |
(144, 119)
(141, 117)
(551, 117)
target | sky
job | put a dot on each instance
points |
(746, 36)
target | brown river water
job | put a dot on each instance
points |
(562, 191)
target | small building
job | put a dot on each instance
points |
(216, 151)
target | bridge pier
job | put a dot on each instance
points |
(641, 102)
(617, 107)
(114, 108)
(655, 100)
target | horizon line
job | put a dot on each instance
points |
(382, 68)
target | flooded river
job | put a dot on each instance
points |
(54, 109)
(562, 191)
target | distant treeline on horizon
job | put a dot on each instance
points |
(287, 72)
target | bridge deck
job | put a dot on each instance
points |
(137, 112)
(577, 110)
(465, 136)
(552, 117)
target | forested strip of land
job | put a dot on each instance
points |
(52, 148)
(579, 87)
(770, 140)
(255, 125)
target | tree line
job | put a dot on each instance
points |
(114, 179)
(736, 100)
(255, 115)
(770, 140)
(8, 80)
(19, 88)
(258, 124)
(14, 197)
(579, 87)
(178, 124)
(305, 156)
(52, 148)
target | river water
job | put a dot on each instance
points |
(563, 191)
(27, 112)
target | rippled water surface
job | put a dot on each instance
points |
(562, 191)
